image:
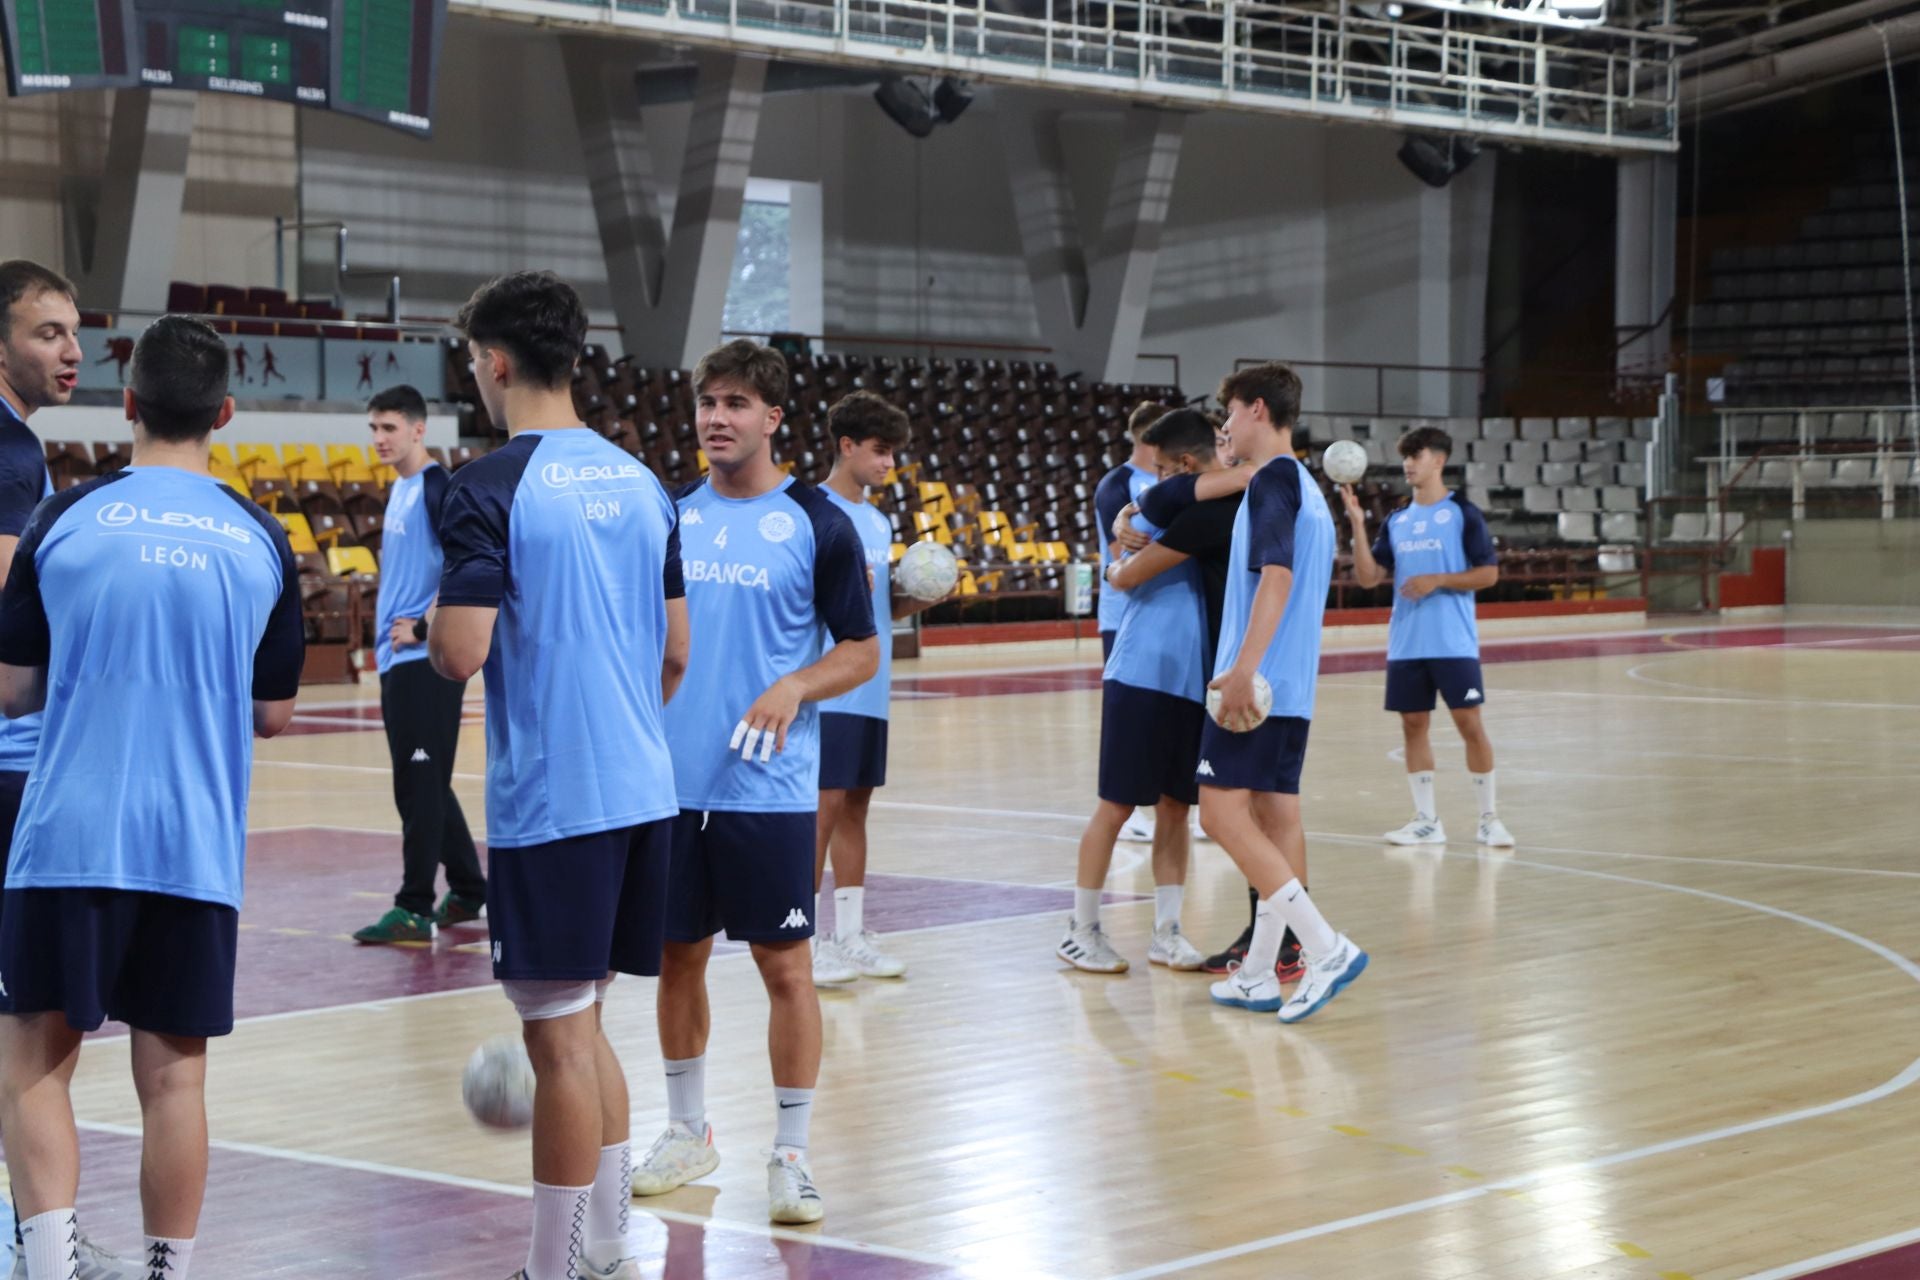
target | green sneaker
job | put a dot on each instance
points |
(455, 909)
(399, 925)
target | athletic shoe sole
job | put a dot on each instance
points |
(700, 1170)
(1084, 967)
(1353, 970)
(1177, 968)
(1257, 1006)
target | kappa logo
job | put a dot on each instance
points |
(776, 526)
(118, 515)
(1205, 770)
(496, 952)
(3, 988)
(692, 517)
(796, 919)
(1442, 516)
(420, 755)
(1472, 695)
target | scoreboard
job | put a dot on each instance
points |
(376, 59)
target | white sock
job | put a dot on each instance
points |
(687, 1092)
(51, 1245)
(1293, 905)
(1483, 787)
(796, 1112)
(816, 913)
(1263, 949)
(849, 911)
(1086, 907)
(607, 1206)
(559, 1231)
(1166, 904)
(1421, 784)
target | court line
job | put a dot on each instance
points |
(1898, 1082)
(1634, 673)
(1838, 1257)
(526, 1193)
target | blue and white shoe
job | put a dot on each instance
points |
(1242, 989)
(1326, 977)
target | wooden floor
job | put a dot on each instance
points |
(1676, 1033)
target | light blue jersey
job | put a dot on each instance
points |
(574, 542)
(771, 582)
(410, 560)
(1161, 643)
(1284, 521)
(1448, 536)
(162, 604)
(1124, 484)
(24, 482)
(876, 538)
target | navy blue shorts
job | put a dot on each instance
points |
(153, 961)
(1268, 759)
(1106, 644)
(12, 786)
(1412, 683)
(853, 751)
(575, 910)
(748, 873)
(1149, 745)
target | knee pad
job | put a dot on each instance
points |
(538, 999)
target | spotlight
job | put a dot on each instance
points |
(950, 98)
(906, 105)
(1585, 10)
(1434, 159)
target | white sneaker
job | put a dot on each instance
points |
(1325, 978)
(866, 958)
(830, 964)
(625, 1269)
(1138, 829)
(1193, 823)
(94, 1262)
(1419, 831)
(1494, 832)
(676, 1158)
(791, 1195)
(1259, 992)
(1171, 948)
(1086, 947)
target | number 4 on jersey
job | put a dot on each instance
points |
(720, 538)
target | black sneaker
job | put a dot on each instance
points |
(1291, 967)
(455, 909)
(1229, 959)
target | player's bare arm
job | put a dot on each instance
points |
(459, 637)
(1366, 570)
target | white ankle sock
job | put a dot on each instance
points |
(687, 1092)
(167, 1257)
(1483, 787)
(795, 1114)
(1421, 784)
(1086, 907)
(849, 911)
(607, 1206)
(559, 1231)
(1167, 899)
(51, 1243)
(1295, 907)
(1263, 949)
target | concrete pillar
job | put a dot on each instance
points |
(626, 206)
(1092, 308)
(1645, 235)
(138, 219)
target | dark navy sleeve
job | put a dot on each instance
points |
(434, 482)
(674, 573)
(1164, 502)
(23, 476)
(282, 651)
(25, 640)
(1109, 498)
(1475, 538)
(473, 525)
(1273, 506)
(1205, 528)
(841, 594)
(1383, 545)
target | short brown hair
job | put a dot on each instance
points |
(863, 416)
(748, 363)
(1274, 384)
(1144, 415)
(1425, 438)
(20, 279)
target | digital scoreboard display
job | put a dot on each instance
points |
(376, 59)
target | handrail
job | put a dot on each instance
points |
(1380, 372)
(931, 344)
(341, 271)
(412, 331)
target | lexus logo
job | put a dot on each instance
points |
(117, 515)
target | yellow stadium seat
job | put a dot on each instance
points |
(258, 462)
(700, 460)
(1023, 552)
(936, 497)
(342, 561)
(967, 586)
(1056, 552)
(299, 532)
(223, 457)
(384, 476)
(896, 551)
(929, 525)
(304, 462)
(347, 463)
(995, 529)
(233, 480)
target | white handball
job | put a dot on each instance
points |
(927, 571)
(498, 1084)
(1262, 698)
(1344, 462)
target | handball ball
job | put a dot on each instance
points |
(1262, 697)
(1344, 462)
(927, 571)
(498, 1084)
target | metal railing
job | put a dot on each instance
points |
(1888, 471)
(1751, 430)
(341, 271)
(1491, 73)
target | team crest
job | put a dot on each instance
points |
(776, 526)
(1442, 516)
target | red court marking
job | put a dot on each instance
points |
(1895, 1264)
